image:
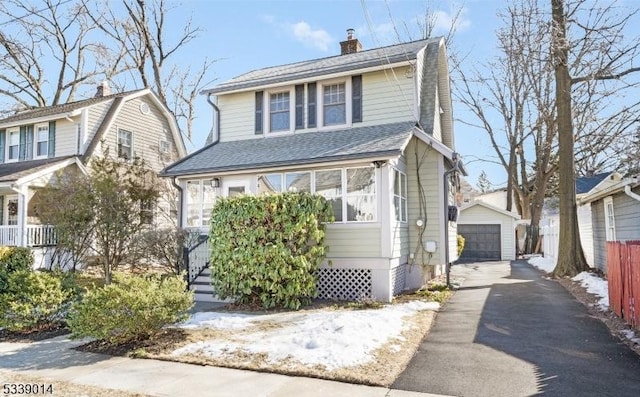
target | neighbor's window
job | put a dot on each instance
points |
(270, 183)
(400, 195)
(14, 145)
(279, 110)
(609, 219)
(329, 185)
(42, 141)
(334, 104)
(147, 208)
(361, 194)
(124, 144)
(200, 200)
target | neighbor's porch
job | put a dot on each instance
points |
(19, 223)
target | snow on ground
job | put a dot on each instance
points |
(333, 338)
(595, 285)
(630, 335)
(545, 264)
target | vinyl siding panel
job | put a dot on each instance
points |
(148, 130)
(627, 215)
(95, 116)
(432, 185)
(237, 114)
(399, 239)
(388, 96)
(599, 236)
(353, 241)
(586, 232)
(65, 144)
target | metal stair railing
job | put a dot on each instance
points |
(196, 259)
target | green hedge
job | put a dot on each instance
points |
(266, 249)
(33, 300)
(131, 308)
(13, 259)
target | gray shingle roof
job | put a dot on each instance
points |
(586, 183)
(297, 149)
(10, 172)
(60, 109)
(323, 66)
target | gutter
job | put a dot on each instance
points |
(627, 190)
(215, 128)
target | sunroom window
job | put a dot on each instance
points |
(361, 194)
(329, 185)
(200, 200)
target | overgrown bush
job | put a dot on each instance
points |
(266, 249)
(460, 244)
(131, 308)
(13, 259)
(34, 300)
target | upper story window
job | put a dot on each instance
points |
(334, 104)
(42, 141)
(13, 146)
(124, 144)
(279, 112)
(330, 103)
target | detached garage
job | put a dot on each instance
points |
(489, 233)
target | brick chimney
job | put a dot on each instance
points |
(351, 45)
(103, 89)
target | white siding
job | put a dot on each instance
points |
(586, 232)
(65, 143)
(148, 130)
(479, 215)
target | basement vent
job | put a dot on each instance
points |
(344, 284)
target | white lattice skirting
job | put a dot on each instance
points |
(398, 276)
(344, 284)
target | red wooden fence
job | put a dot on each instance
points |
(623, 275)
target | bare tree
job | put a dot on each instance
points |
(594, 35)
(151, 49)
(47, 53)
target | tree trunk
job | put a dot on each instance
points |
(571, 260)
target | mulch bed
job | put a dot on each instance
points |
(167, 338)
(34, 335)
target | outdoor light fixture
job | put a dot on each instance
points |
(215, 182)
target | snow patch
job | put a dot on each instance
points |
(545, 264)
(334, 339)
(595, 285)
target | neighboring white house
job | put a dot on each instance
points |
(615, 214)
(36, 144)
(370, 130)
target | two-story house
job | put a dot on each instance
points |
(37, 144)
(369, 130)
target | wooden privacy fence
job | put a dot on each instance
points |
(623, 275)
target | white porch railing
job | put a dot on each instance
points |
(36, 235)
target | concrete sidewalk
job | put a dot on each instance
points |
(55, 359)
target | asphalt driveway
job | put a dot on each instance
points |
(510, 332)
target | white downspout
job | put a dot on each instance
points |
(627, 190)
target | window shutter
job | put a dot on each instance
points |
(52, 139)
(299, 106)
(3, 135)
(2, 203)
(311, 105)
(22, 152)
(29, 154)
(356, 99)
(259, 110)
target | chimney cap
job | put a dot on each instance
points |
(350, 33)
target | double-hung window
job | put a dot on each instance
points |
(124, 144)
(13, 146)
(200, 200)
(609, 219)
(334, 104)
(42, 141)
(279, 112)
(400, 195)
